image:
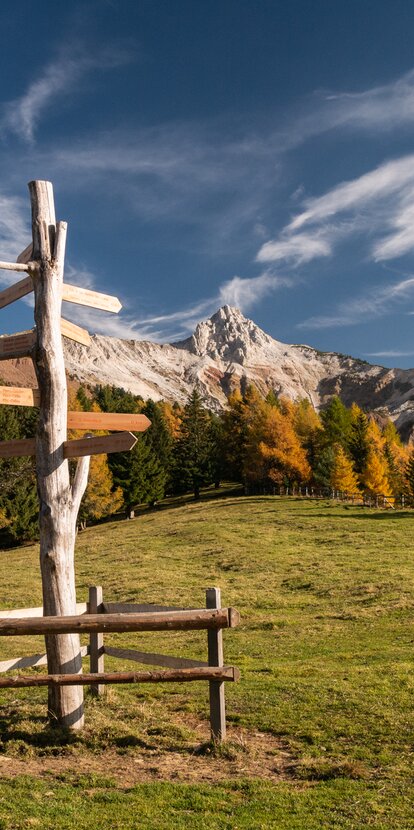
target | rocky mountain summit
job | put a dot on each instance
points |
(228, 352)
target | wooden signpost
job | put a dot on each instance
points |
(59, 497)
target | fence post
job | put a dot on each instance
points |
(96, 653)
(215, 658)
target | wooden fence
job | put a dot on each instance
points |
(379, 500)
(98, 617)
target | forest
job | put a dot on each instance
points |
(269, 445)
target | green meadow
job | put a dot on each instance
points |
(321, 723)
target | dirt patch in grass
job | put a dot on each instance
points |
(245, 754)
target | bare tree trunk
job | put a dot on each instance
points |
(59, 502)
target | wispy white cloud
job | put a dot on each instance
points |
(389, 353)
(246, 292)
(298, 249)
(378, 303)
(22, 115)
(240, 292)
(386, 180)
(15, 232)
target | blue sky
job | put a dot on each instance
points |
(252, 152)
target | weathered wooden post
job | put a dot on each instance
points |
(59, 498)
(59, 501)
(215, 658)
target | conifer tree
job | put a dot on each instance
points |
(409, 475)
(336, 422)
(192, 450)
(358, 444)
(158, 436)
(139, 474)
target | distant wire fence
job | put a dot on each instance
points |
(378, 500)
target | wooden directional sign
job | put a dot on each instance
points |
(18, 396)
(120, 442)
(106, 420)
(16, 291)
(83, 296)
(75, 332)
(70, 293)
(23, 446)
(26, 255)
(17, 345)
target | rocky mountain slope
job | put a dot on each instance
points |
(228, 351)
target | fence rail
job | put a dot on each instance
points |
(378, 500)
(98, 618)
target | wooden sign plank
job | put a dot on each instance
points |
(17, 345)
(26, 255)
(16, 291)
(75, 332)
(106, 420)
(23, 446)
(19, 396)
(103, 444)
(120, 442)
(84, 296)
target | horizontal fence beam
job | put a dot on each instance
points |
(32, 661)
(19, 613)
(230, 673)
(156, 621)
(138, 608)
(150, 659)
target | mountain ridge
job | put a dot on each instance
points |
(227, 352)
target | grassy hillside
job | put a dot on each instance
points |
(321, 722)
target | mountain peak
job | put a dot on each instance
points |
(227, 335)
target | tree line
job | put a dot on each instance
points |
(262, 443)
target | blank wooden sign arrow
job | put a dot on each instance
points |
(106, 420)
(94, 299)
(103, 444)
(17, 345)
(18, 396)
(70, 293)
(23, 446)
(75, 332)
(120, 442)
(16, 291)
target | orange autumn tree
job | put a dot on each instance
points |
(100, 499)
(281, 457)
(397, 456)
(343, 476)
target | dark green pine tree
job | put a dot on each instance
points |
(83, 399)
(358, 444)
(409, 476)
(192, 450)
(217, 450)
(18, 494)
(323, 466)
(139, 474)
(336, 421)
(115, 399)
(158, 437)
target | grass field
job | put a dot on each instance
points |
(321, 724)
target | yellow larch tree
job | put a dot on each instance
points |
(374, 477)
(280, 450)
(343, 476)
